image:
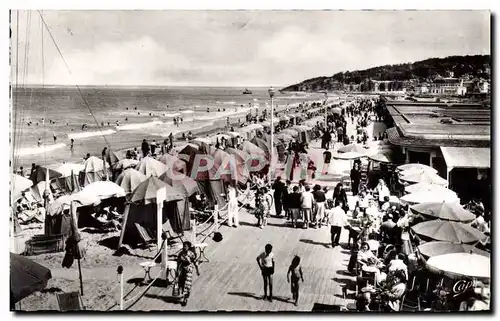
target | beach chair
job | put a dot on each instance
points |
(145, 234)
(69, 302)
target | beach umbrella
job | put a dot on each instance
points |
(424, 177)
(64, 202)
(68, 169)
(177, 149)
(125, 163)
(284, 137)
(444, 211)
(348, 155)
(18, 185)
(129, 179)
(251, 149)
(291, 132)
(449, 231)
(94, 164)
(336, 110)
(185, 184)
(284, 118)
(436, 248)
(301, 128)
(262, 143)
(427, 187)
(146, 191)
(381, 158)
(173, 163)
(40, 175)
(352, 148)
(113, 157)
(233, 134)
(151, 167)
(430, 197)
(103, 190)
(240, 156)
(461, 265)
(26, 277)
(416, 167)
(201, 140)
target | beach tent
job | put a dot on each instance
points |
(187, 187)
(264, 145)
(18, 185)
(58, 218)
(304, 132)
(69, 182)
(140, 220)
(250, 131)
(151, 167)
(113, 157)
(291, 132)
(103, 190)
(196, 163)
(258, 158)
(94, 170)
(125, 163)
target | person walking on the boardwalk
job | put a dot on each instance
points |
(306, 199)
(266, 264)
(295, 271)
(339, 220)
(279, 189)
(186, 263)
(232, 207)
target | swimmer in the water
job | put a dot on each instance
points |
(208, 110)
(138, 113)
(135, 108)
(218, 109)
(39, 142)
(71, 145)
(126, 118)
(55, 137)
(126, 108)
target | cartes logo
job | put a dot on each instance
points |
(461, 287)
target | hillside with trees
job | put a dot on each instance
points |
(420, 71)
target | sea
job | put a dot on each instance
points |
(121, 117)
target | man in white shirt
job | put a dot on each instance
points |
(338, 220)
(306, 203)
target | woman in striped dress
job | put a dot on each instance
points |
(186, 262)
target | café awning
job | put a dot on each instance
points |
(466, 157)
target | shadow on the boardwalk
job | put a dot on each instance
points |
(257, 297)
(327, 245)
(345, 273)
(164, 298)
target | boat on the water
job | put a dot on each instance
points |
(247, 92)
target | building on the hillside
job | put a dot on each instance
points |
(447, 86)
(454, 139)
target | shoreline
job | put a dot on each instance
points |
(63, 155)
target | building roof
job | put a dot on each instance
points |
(396, 138)
(467, 157)
(422, 123)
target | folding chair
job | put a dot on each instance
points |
(71, 301)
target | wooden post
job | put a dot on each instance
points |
(193, 229)
(160, 198)
(216, 217)
(120, 273)
(124, 224)
(164, 260)
(74, 228)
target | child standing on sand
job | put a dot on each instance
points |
(296, 272)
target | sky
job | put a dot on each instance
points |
(231, 48)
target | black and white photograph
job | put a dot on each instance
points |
(333, 161)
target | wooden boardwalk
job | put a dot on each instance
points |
(232, 281)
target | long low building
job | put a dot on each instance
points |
(453, 138)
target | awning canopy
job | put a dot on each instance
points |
(466, 157)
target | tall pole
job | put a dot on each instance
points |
(271, 166)
(326, 113)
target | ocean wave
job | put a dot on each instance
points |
(189, 111)
(229, 103)
(91, 134)
(172, 115)
(139, 125)
(26, 151)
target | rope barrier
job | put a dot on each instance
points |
(138, 297)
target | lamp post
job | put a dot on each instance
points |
(326, 114)
(271, 92)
